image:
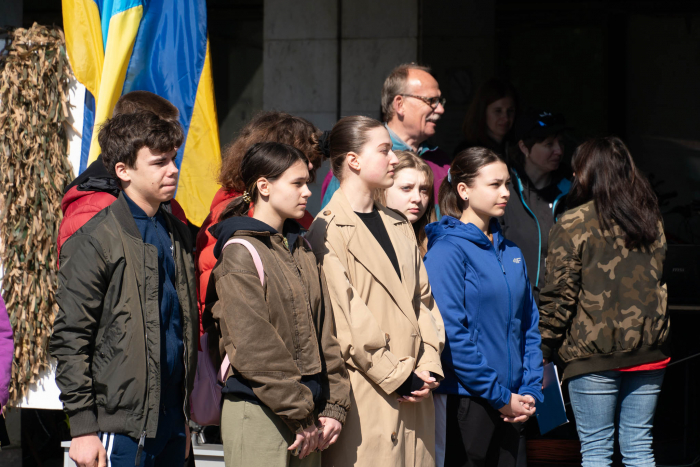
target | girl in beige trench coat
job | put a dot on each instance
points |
(389, 329)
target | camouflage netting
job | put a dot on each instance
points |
(34, 169)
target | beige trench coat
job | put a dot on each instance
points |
(387, 328)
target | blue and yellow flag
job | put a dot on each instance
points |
(161, 46)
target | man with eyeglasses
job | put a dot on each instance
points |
(411, 107)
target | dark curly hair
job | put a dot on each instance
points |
(122, 136)
(278, 127)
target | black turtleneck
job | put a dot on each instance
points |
(374, 223)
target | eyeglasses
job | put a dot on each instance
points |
(431, 101)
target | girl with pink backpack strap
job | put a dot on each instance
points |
(285, 388)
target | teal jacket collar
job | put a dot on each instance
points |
(400, 145)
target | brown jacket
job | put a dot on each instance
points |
(388, 327)
(271, 334)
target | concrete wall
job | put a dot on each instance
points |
(236, 41)
(305, 53)
(300, 59)
(458, 43)
(11, 13)
(662, 124)
(300, 65)
(376, 37)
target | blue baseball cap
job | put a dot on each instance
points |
(538, 124)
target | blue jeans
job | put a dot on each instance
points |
(609, 399)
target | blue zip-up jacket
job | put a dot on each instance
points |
(491, 320)
(154, 230)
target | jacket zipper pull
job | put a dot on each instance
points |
(142, 440)
(500, 263)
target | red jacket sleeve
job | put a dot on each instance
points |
(78, 208)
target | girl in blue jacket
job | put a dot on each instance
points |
(492, 357)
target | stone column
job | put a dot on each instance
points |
(11, 13)
(300, 60)
(458, 40)
(310, 68)
(300, 66)
(376, 37)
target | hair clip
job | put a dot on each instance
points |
(449, 176)
(246, 197)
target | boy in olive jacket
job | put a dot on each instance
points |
(125, 335)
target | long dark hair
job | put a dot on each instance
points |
(464, 169)
(474, 126)
(269, 160)
(606, 173)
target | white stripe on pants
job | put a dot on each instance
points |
(108, 444)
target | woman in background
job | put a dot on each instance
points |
(490, 117)
(412, 195)
(272, 126)
(603, 308)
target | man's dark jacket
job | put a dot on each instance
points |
(107, 330)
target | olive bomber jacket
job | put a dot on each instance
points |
(106, 334)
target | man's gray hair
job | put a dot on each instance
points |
(395, 84)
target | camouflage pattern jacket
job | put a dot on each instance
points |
(603, 306)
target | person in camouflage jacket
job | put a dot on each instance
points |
(603, 306)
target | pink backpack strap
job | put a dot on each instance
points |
(253, 252)
(261, 274)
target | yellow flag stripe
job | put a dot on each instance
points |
(202, 157)
(82, 26)
(123, 28)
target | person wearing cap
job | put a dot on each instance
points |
(539, 185)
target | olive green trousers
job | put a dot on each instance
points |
(254, 436)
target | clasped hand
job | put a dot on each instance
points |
(313, 437)
(519, 409)
(429, 383)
